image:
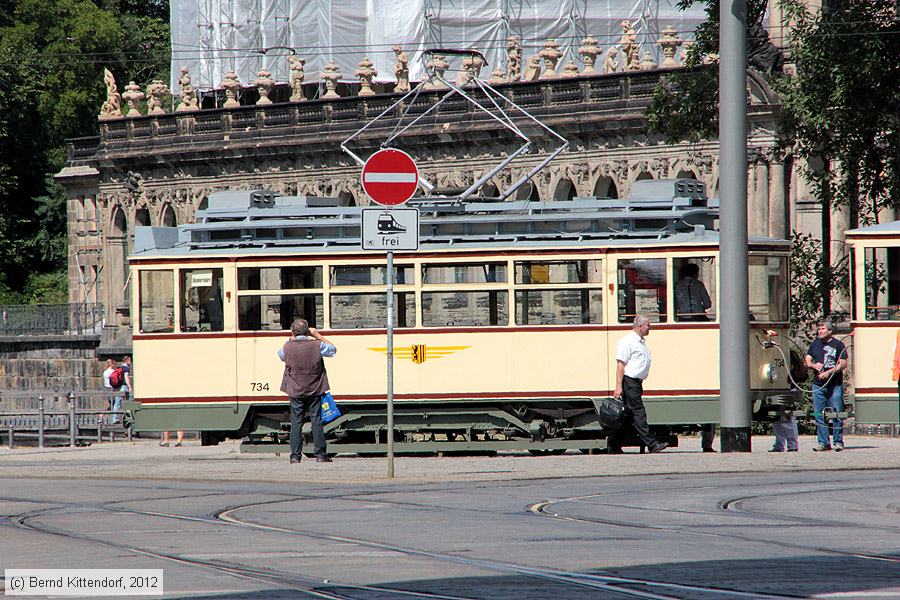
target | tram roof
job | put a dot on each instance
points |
(260, 223)
(891, 228)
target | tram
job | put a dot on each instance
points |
(875, 321)
(506, 319)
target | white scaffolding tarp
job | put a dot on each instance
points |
(211, 37)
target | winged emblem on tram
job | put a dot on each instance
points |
(419, 352)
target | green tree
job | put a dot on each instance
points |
(840, 113)
(51, 88)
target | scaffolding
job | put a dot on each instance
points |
(211, 37)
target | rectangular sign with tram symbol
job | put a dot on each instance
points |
(391, 230)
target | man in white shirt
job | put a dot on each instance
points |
(632, 367)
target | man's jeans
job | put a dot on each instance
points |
(785, 434)
(830, 397)
(116, 407)
(300, 407)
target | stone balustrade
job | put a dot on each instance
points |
(552, 96)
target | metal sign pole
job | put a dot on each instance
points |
(390, 364)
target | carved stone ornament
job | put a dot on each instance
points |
(470, 68)
(437, 65)
(533, 68)
(629, 47)
(551, 55)
(188, 96)
(297, 76)
(497, 76)
(401, 71)
(366, 72)
(514, 58)
(669, 43)
(571, 69)
(611, 62)
(112, 108)
(158, 92)
(331, 74)
(231, 85)
(264, 84)
(647, 63)
(132, 96)
(589, 51)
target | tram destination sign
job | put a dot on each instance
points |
(390, 177)
(390, 230)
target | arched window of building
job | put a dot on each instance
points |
(142, 217)
(606, 188)
(489, 190)
(168, 217)
(117, 260)
(346, 198)
(644, 175)
(686, 174)
(565, 190)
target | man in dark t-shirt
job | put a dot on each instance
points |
(827, 357)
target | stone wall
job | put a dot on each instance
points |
(50, 365)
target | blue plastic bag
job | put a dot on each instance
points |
(330, 411)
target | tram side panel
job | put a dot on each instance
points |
(189, 384)
(470, 374)
(877, 398)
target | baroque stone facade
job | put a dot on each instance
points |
(159, 169)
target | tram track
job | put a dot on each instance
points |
(613, 586)
(733, 506)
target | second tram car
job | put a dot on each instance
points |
(875, 319)
(506, 319)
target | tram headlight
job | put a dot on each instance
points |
(770, 372)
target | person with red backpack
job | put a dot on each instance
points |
(117, 379)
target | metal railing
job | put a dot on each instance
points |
(51, 319)
(72, 425)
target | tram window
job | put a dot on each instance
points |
(642, 289)
(277, 312)
(464, 309)
(882, 273)
(552, 307)
(280, 278)
(464, 273)
(768, 288)
(201, 300)
(403, 275)
(355, 311)
(157, 301)
(695, 288)
(551, 272)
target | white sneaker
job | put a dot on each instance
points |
(837, 447)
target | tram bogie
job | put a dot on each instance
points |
(501, 341)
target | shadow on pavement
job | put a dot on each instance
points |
(798, 576)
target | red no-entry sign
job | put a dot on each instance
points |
(390, 177)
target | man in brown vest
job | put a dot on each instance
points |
(305, 381)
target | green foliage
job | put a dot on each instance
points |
(685, 105)
(811, 279)
(51, 89)
(841, 114)
(843, 104)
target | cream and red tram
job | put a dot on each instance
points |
(875, 320)
(506, 319)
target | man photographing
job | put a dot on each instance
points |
(305, 381)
